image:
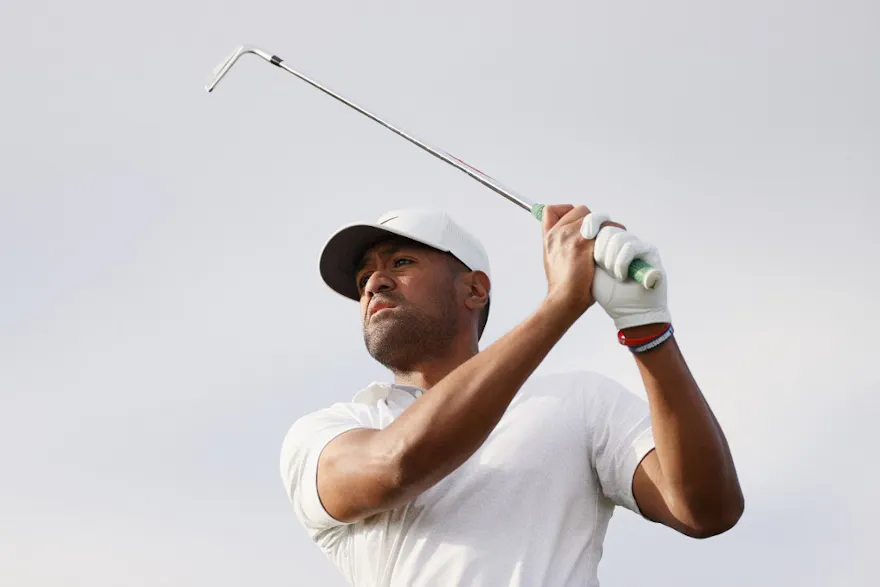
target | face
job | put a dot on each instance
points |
(410, 308)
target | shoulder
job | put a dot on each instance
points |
(362, 411)
(340, 416)
(306, 439)
(597, 394)
(582, 382)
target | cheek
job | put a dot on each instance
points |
(434, 297)
(412, 289)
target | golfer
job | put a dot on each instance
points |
(467, 469)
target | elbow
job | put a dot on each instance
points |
(719, 516)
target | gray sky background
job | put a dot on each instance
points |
(162, 321)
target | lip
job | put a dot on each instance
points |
(378, 306)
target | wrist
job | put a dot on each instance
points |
(644, 330)
(645, 338)
(563, 307)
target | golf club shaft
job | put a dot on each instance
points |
(639, 270)
(475, 173)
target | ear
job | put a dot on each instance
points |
(478, 290)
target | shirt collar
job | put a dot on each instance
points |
(380, 390)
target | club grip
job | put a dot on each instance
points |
(639, 270)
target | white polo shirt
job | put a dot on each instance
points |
(530, 508)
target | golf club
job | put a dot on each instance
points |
(639, 270)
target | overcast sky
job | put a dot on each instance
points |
(162, 320)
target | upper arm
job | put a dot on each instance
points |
(624, 455)
(358, 476)
(334, 470)
(649, 490)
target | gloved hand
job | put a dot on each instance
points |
(627, 302)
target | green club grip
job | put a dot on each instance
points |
(639, 270)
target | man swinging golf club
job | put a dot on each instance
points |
(467, 470)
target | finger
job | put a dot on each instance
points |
(592, 223)
(609, 244)
(632, 249)
(552, 214)
(574, 215)
(615, 250)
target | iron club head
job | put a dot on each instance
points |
(221, 70)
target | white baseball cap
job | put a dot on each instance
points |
(343, 251)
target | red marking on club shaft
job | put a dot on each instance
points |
(471, 166)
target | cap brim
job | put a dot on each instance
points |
(344, 250)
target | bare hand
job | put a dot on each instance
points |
(568, 257)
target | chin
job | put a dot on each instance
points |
(391, 358)
(391, 344)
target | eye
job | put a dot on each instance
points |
(398, 262)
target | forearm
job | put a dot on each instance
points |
(691, 449)
(444, 427)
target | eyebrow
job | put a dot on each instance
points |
(390, 250)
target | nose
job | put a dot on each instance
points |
(379, 281)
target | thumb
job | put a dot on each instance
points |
(553, 213)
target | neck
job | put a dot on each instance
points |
(426, 375)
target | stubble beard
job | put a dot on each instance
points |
(410, 336)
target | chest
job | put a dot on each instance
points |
(537, 449)
(531, 477)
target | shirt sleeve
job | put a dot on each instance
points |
(620, 433)
(300, 451)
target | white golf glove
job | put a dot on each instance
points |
(627, 302)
